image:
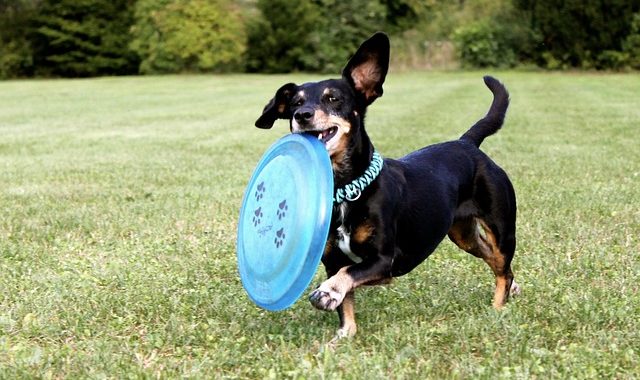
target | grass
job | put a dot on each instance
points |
(119, 199)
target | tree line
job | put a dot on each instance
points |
(78, 38)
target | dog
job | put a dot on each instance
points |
(390, 215)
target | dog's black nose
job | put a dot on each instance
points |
(304, 115)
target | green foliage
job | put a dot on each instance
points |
(16, 57)
(147, 40)
(187, 35)
(492, 34)
(482, 44)
(631, 44)
(280, 38)
(83, 38)
(576, 33)
(403, 14)
(612, 59)
(315, 35)
(345, 24)
(111, 37)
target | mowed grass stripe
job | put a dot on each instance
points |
(119, 199)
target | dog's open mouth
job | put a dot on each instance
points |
(324, 135)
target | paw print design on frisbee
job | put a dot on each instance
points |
(257, 215)
(280, 236)
(282, 209)
(260, 191)
(284, 221)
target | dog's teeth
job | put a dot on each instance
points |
(319, 136)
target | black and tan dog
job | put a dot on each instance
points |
(391, 223)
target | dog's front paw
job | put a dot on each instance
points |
(325, 299)
(346, 331)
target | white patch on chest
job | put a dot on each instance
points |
(344, 237)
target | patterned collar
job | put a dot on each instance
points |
(353, 190)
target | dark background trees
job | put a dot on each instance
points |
(112, 37)
(82, 38)
(313, 35)
(578, 33)
(16, 57)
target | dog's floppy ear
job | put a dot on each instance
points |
(278, 107)
(368, 67)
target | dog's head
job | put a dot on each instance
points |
(333, 110)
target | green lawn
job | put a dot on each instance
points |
(119, 199)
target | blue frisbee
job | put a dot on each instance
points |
(284, 221)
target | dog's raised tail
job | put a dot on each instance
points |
(492, 122)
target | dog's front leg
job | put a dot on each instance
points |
(331, 293)
(347, 314)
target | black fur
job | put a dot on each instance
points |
(450, 188)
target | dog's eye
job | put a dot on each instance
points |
(332, 99)
(298, 102)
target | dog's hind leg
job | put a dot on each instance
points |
(474, 235)
(498, 255)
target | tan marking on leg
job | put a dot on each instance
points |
(341, 281)
(475, 237)
(347, 312)
(495, 259)
(363, 232)
(490, 252)
(465, 235)
(501, 293)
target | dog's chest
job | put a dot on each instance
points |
(344, 235)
